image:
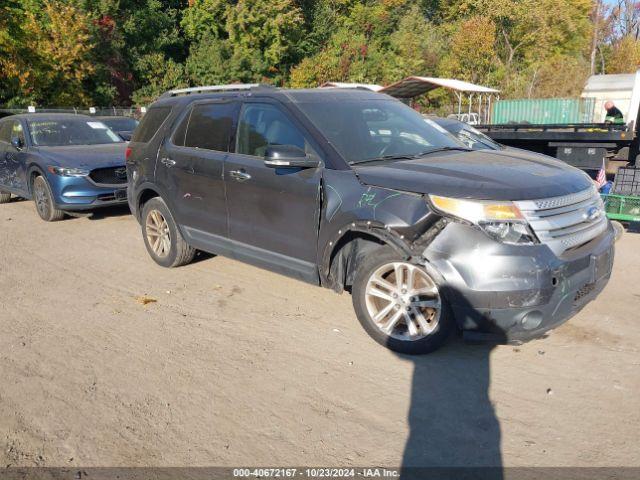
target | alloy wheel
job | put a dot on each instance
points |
(403, 301)
(41, 197)
(158, 234)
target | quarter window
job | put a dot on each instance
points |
(181, 131)
(11, 129)
(262, 125)
(150, 124)
(5, 131)
(210, 126)
(16, 131)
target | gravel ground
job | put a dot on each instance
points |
(109, 360)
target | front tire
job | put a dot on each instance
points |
(399, 304)
(618, 229)
(43, 198)
(162, 237)
(5, 197)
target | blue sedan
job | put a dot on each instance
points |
(64, 162)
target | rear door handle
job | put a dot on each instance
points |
(239, 175)
(167, 162)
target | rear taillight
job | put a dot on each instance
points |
(127, 153)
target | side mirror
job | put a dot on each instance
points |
(16, 143)
(288, 156)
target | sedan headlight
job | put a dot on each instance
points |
(502, 221)
(69, 172)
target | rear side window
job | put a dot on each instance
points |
(150, 124)
(210, 126)
(5, 131)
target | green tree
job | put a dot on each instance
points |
(126, 32)
(528, 33)
(14, 56)
(113, 51)
(160, 74)
(205, 19)
(558, 76)
(250, 41)
(366, 47)
(61, 48)
(624, 56)
(472, 55)
(416, 47)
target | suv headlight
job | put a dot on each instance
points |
(502, 221)
(69, 172)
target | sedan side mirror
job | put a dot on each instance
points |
(16, 142)
(288, 156)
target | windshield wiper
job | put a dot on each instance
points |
(409, 157)
(443, 149)
(383, 158)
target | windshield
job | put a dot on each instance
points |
(121, 124)
(477, 140)
(57, 133)
(380, 129)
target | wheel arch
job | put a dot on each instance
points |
(33, 171)
(148, 192)
(145, 194)
(342, 255)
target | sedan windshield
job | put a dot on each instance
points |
(58, 133)
(364, 131)
(476, 140)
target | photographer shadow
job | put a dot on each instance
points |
(454, 431)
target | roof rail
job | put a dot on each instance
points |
(214, 88)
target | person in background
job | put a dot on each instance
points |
(614, 115)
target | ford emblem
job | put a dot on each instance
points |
(592, 214)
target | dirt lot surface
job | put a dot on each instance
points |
(232, 365)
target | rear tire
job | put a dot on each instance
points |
(400, 305)
(43, 199)
(161, 235)
(5, 197)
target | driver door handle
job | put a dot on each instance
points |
(239, 175)
(167, 162)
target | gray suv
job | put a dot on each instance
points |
(353, 190)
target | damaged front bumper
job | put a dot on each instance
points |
(513, 293)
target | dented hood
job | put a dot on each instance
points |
(491, 175)
(85, 156)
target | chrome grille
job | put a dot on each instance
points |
(566, 222)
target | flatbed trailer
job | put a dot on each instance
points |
(582, 145)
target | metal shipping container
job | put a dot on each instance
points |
(543, 111)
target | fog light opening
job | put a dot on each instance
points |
(531, 320)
